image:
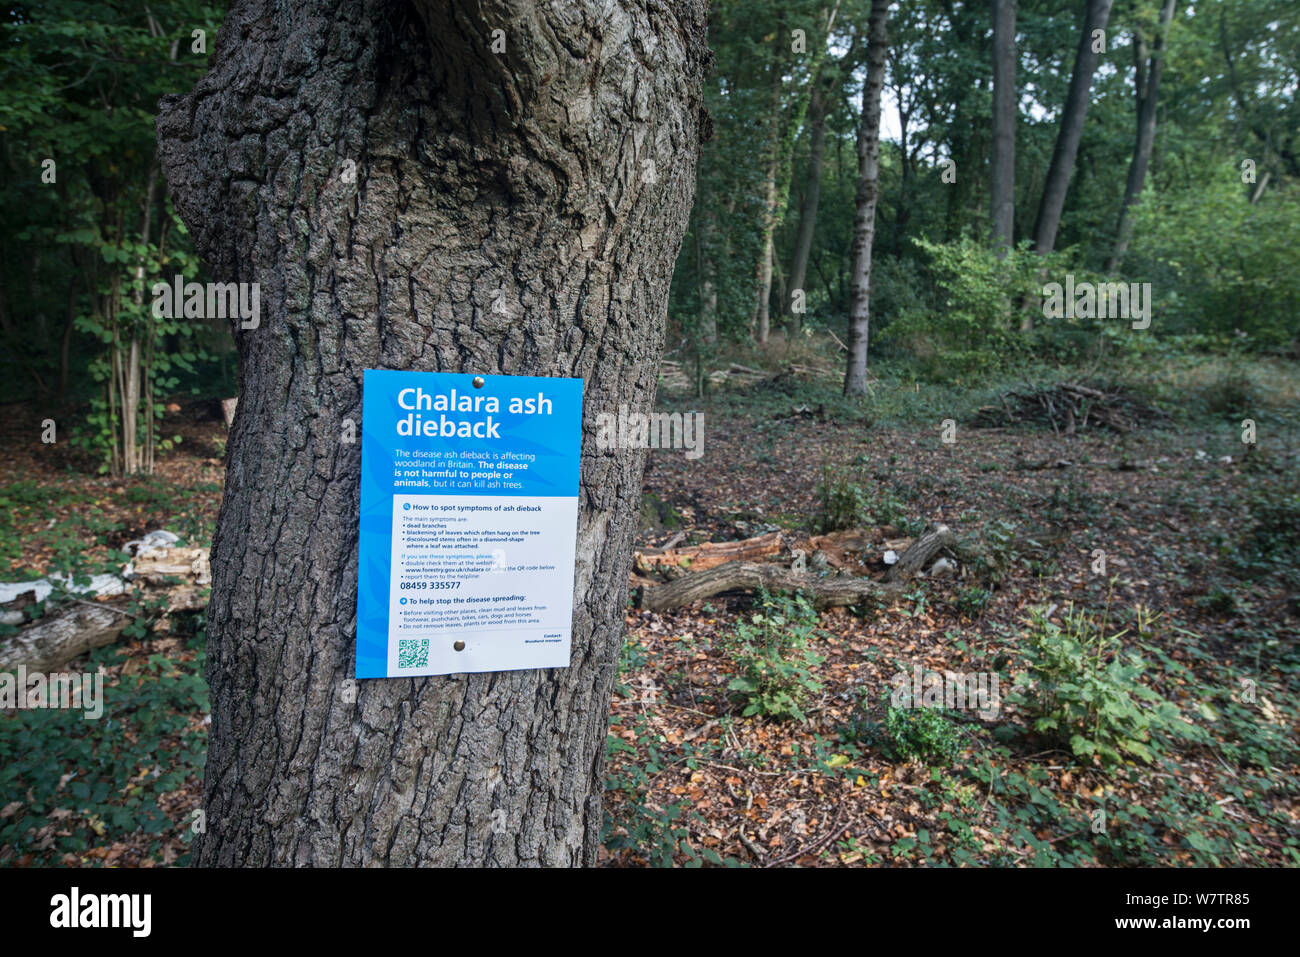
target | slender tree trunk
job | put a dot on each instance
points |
(779, 281)
(864, 221)
(1002, 189)
(1147, 97)
(903, 204)
(131, 404)
(141, 360)
(966, 144)
(760, 321)
(1070, 133)
(807, 211)
(500, 221)
(777, 184)
(708, 289)
(706, 269)
(65, 347)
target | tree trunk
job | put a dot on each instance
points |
(762, 321)
(706, 270)
(65, 346)
(785, 129)
(864, 221)
(760, 317)
(807, 210)
(907, 164)
(966, 136)
(1148, 92)
(502, 219)
(1071, 130)
(1002, 189)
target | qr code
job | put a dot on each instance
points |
(413, 653)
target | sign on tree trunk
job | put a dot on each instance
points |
(469, 508)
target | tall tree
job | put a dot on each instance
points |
(964, 86)
(1146, 88)
(807, 210)
(706, 270)
(1002, 191)
(784, 126)
(864, 220)
(760, 323)
(1057, 184)
(441, 187)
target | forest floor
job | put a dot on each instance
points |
(849, 781)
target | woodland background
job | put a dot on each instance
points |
(755, 728)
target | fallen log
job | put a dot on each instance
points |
(53, 640)
(157, 565)
(842, 550)
(751, 576)
(825, 592)
(80, 626)
(710, 554)
(919, 553)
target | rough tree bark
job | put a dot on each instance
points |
(864, 221)
(1070, 133)
(1146, 81)
(523, 178)
(1002, 188)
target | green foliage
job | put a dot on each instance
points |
(19, 501)
(88, 236)
(657, 514)
(1219, 601)
(659, 835)
(1071, 502)
(73, 783)
(992, 552)
(1082, 689)
(920, 734)
(774, 663)
(850, 500)
(971, 600)
(1221, 263)
(1273, 539)
(1232, 393)
(132, 329)
(973, 328)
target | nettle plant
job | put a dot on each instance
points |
(774, 663)
(1083, 690)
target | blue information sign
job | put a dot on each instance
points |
(469, 510)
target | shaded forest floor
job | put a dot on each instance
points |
(691, 779)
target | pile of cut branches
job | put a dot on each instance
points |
(1070, 407)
